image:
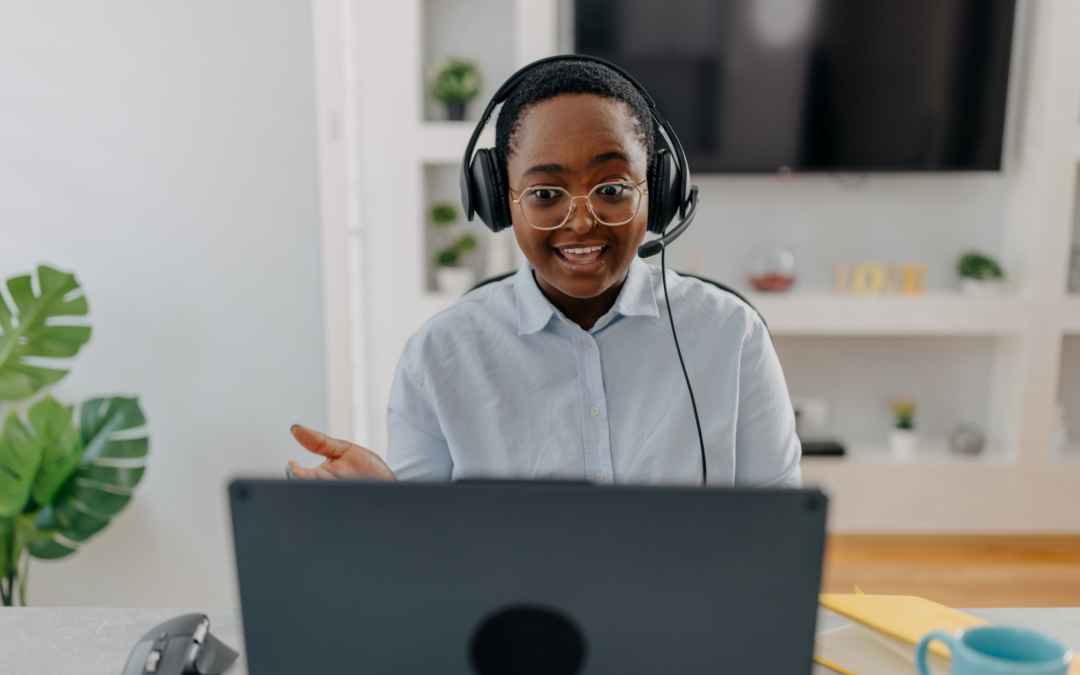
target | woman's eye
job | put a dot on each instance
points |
(545, 195)
(613, 190)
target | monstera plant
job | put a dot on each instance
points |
(61, 482)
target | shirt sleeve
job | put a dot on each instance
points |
(767, 451)
(416, 447)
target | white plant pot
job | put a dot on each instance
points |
(903, 443)
(455, 281)
(980, 288)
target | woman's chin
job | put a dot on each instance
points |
(579, 285)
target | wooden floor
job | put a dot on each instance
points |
(959, 571)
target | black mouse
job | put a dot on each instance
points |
(180, 646)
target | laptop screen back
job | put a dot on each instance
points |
(482, 577)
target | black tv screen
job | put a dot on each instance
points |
(816, 85)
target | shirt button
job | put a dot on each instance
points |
(594, 411)
(586, 344)
(599, 476)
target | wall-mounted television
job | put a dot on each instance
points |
(817, 85)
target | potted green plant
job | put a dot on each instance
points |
(450, 275)
(903, 439)
(456, 82)
(980, 275)
(61, 481)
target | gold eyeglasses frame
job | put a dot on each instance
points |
(642, 186)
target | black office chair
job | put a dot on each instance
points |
(719, 285)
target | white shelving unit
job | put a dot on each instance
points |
(376, 145)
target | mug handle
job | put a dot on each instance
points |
(920, 649)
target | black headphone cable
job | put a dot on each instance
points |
(678, 350)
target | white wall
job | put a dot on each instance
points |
(165, 152)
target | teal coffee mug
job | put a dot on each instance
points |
(999, 650)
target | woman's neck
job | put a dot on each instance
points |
(585, 312)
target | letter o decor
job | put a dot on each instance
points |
(869, 279)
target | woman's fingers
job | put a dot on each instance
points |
(301, 472)
(321, 472)
(320, 443)
(343, 459)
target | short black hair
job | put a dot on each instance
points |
(570, 77)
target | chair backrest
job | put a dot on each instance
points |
(722, 287)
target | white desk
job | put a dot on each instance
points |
(64, 641)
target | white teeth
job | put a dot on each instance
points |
(587, 249)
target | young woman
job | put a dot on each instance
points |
(568, 370)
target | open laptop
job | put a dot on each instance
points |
(507, 577)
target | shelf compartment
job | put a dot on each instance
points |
(441, 187)
(953, 380)
(479, 30)
(495, 253)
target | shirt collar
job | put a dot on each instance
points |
(534, 309)
(636, 298)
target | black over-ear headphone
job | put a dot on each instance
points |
(485, 191)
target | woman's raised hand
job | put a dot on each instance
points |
(343, 459)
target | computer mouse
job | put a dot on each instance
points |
(178, 647)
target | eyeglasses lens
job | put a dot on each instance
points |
(547, 208)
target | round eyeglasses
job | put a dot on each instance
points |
(547, 207)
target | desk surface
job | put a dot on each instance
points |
(70, 641)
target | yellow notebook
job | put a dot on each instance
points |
(884, 629)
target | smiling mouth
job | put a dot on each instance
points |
(581, 255)
(582, 259)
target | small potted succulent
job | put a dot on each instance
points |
(903, 439)
(456, 82)
(450, 276)
(980, 275)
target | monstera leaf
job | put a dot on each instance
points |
(110, 463)
(20, 454)
(32, 330)
(60, 484)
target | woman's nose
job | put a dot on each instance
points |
(580, 220)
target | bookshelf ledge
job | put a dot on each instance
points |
(934, 453)
(935, 314)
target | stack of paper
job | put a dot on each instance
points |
(884, 629)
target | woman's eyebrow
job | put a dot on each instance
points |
(545, 168)
(594, 162)
(606, 157)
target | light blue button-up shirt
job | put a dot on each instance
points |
(502, 385)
